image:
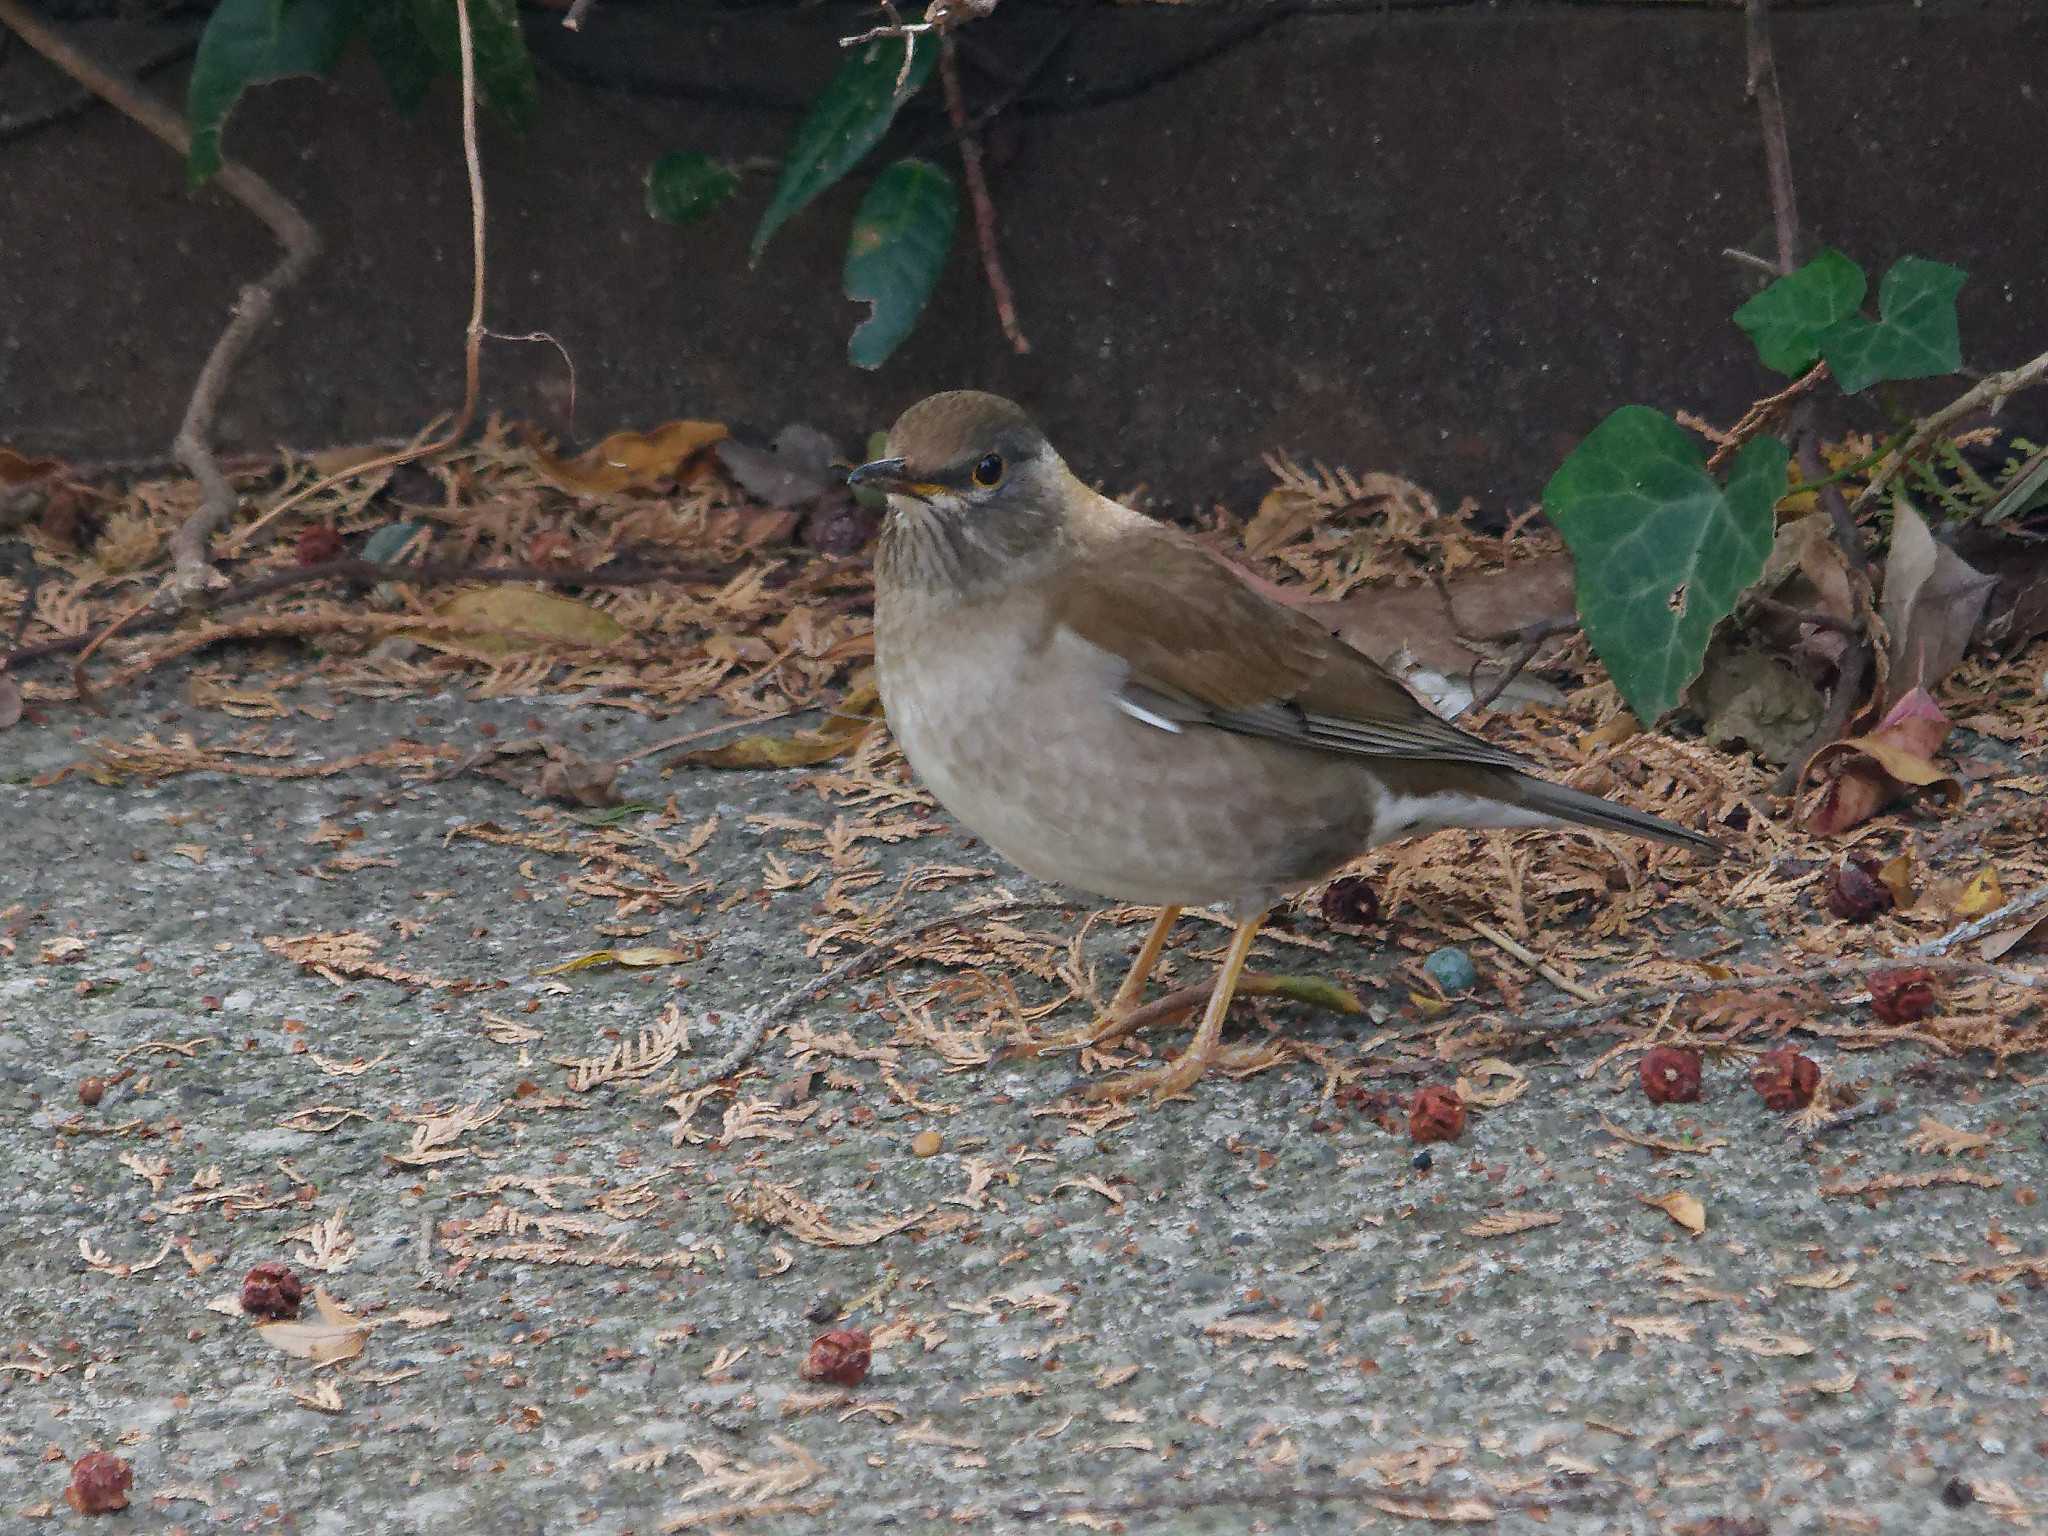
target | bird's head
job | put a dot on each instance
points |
(973, 486)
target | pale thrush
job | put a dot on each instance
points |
(1111, 708)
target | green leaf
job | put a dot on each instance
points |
(683, 187)
(504, 69)
(847, 120)
(894, 256)
(1916, 336)
(1789, 318)
(404, 57)
(1661, 551)
(249, 42)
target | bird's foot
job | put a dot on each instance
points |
(1178, 1076)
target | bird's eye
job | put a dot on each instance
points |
(989, 471)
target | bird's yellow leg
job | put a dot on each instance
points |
(1186, 1069)
(1133, 988)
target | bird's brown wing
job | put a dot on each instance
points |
(1205, 648)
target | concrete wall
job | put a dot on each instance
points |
(1440, 242)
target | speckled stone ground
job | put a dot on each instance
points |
(1249, 1311)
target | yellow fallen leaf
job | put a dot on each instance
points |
(840, 734)
(523, 611)
(1897, 875)
(1983, 894)
(1682, 1208)
(629, 460)
(1613, 733)
(637, 958)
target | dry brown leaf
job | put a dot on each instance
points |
(1932, 601)
(1700, 1147)
(842, 731)
(1508, 1223)
(2026, 936)
(339, 1334)
(1681, 1207)
(1833, 1278)
(629, 460)
(1861, 775)
(526, 612)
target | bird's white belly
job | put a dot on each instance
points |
(1026, 746)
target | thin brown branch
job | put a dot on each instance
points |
(1645, 999)
(1842, 702)
(1770, 111)
(1987, 394)
(977, 197)
(347, 569)
(473, 335)
(1813, 616)
(1529, 640)
(865, 963)
(1759, 416)
(252, 307)
(1990, 922)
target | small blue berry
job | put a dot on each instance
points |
(1452, 969)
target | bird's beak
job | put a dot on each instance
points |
(892, 475)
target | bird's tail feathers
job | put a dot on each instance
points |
(1581, 809)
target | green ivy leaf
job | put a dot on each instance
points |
(1661, 552)
(683, 187)
(1916, 336)
(847, 120)
(251, 42)
(894, 256)
(1789, 318)
(504, 69)
(404, 57)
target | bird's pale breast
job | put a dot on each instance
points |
(1014, 726)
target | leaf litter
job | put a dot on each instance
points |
(769, 632)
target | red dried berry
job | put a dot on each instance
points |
(1855, 893)
(319, 544)
(841, 1356)
(1900, 997)
(1351, 900)
(1671, 1075)
(91, 1090)
(1786, 1080)
(1437, 1114)
(99, 1484)
(271, 1290)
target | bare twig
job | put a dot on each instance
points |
(1991, 922)
(1759, 416)
(1813, 616)
(366, 571)
(1869, 1109)
(1770, 110)
(473, 335)
(977, 197)
(865, 963)
(252, 306)
(1839, 970)
(1530, 638)
(1534, 961)
(1987, 394)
